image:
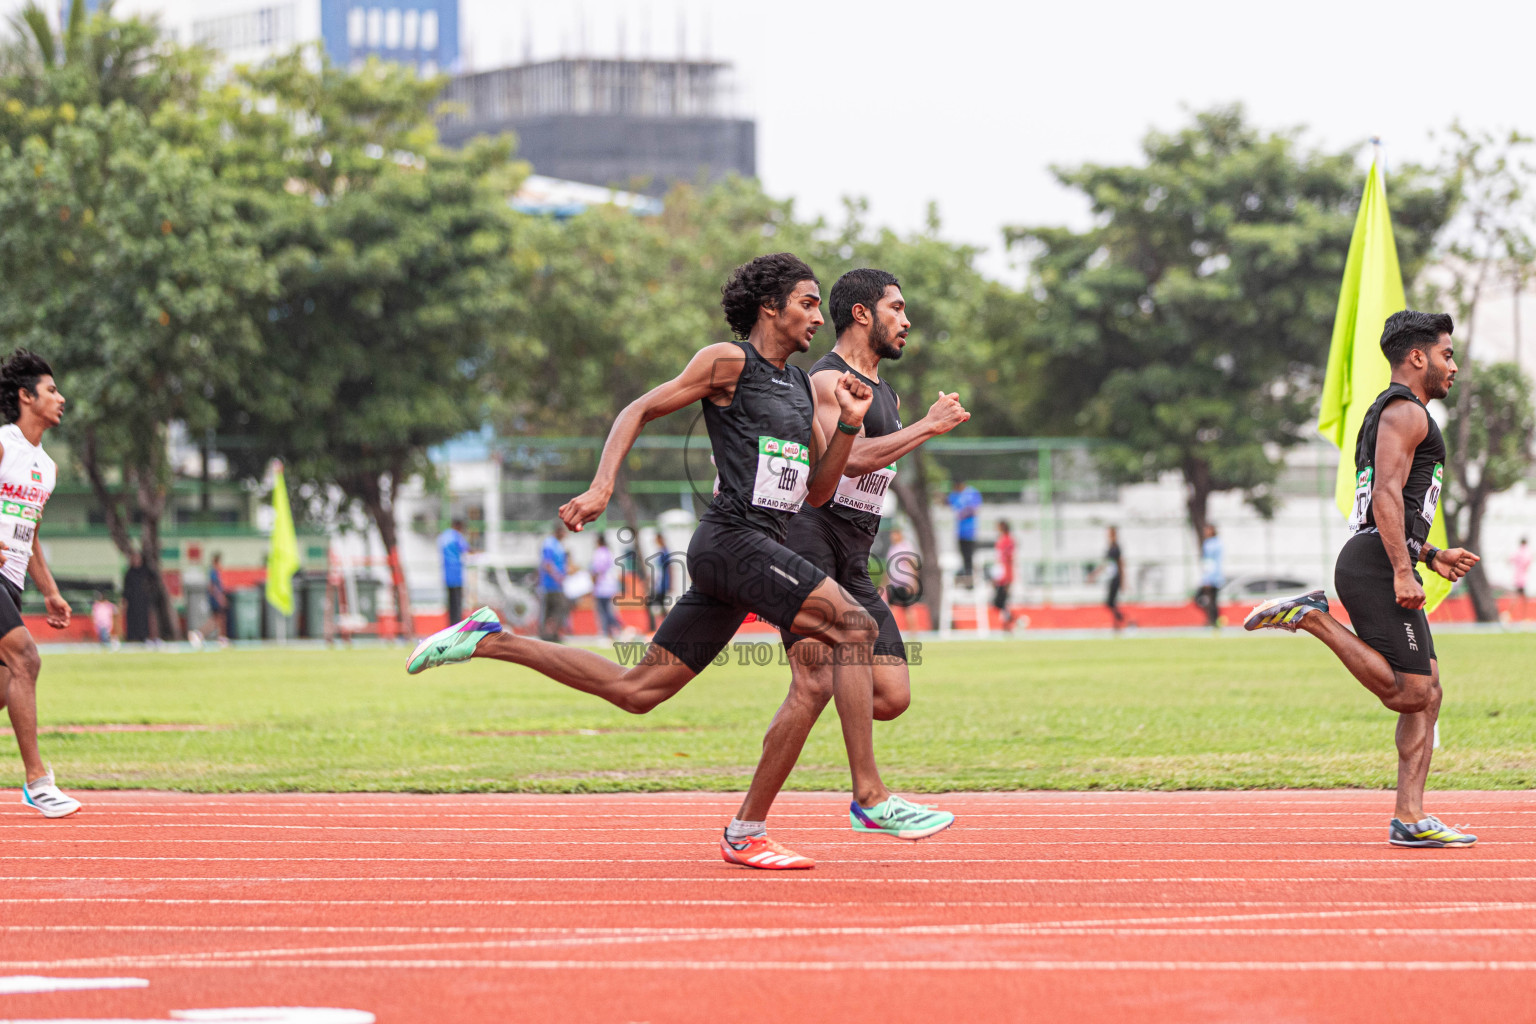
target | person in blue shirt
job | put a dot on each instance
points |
(1210, 576)
(554, 563)
(965, 500)
(218, 598)
(452, 546)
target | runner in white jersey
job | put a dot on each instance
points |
(30, 404)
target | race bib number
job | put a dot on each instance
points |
(1362, 498)
(18, 524)
(783, 474)
(868, 493)
(1432, 496)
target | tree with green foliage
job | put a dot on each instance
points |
(1488, 242)
(393, 260)
(1188, 327)
(124, 260)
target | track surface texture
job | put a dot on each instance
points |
(1095, 907)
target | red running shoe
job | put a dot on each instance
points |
(762, 852)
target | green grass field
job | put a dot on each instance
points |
(1235, 711)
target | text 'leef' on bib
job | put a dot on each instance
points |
(868, 493)
(783, 474)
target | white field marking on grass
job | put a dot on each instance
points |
(877, 859)
(753, 879)
(863, 967)
(27, 984)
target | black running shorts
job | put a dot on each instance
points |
(1363, 578)
(10, 608)
(841, 550)
(735, 570)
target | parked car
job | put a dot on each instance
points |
(1260, 587)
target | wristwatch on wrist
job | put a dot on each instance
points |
(1429, 553)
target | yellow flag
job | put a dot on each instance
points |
(1357, 369)
(283, 558)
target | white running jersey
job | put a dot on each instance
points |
(27, 477)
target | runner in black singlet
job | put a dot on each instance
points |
(1399, 460)
(869, 315)
(771, 453)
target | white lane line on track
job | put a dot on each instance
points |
(840, 842)
(30, 984)
(1357, 830)
(904, 859)
(278, 955)
(862, 967)
(738, 877)
(1110, 927)
(711, 815)
(508, 801)
(1394, 905)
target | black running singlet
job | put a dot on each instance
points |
(1421, 491)
(762, 446)
(861, 500)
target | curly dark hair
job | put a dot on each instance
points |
(21, 370)
(767, 280)
(1411, 329)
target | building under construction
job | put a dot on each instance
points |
(640, 124)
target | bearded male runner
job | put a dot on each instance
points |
(869, 314)
(1399, 461)
(31, 404)
(771, 454)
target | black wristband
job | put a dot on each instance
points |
(845, 428)
(1429, 553)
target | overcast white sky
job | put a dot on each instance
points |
(969, 103)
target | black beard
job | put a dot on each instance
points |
(880, 342)
(1435, 383)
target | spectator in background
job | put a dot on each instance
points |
(1113, 570)
(218, 598)
(103, 615)
(661, 582)
(902, 586)
(1520, 561)
(554, 563)
(452, 547)
(138, 596)
(1002, 572)
(965, 500)
(1210, 576)
(605, 587)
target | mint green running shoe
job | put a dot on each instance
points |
(900, 818)
(454, 644)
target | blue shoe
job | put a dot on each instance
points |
(454, 644)
(1429, 832)
(900, 818)
(1285, 612)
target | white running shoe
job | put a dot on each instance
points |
(48, 799)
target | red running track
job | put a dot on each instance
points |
(1083, 907)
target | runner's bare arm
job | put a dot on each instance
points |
(849, 402)
(872, 453)
(712, 371)
(1402, 428)
(53, 601)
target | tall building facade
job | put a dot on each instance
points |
(633, 123)
(423, 34)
